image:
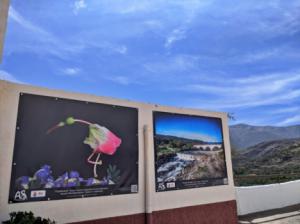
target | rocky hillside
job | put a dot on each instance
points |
(280, 156)
(243, 136)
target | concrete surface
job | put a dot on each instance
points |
(287, 215)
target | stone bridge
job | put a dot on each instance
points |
(208, 147)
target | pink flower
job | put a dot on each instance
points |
(102, 140)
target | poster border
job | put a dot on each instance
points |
(154, 114)
(17, 128)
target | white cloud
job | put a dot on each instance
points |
(237, 102)
(272, 89)
(8, 77)
(78, 5)
(261, 100)
(189, 11)
(259, 56)
(287, 23)
(122, 80)
(71, 71)
(153, 24)
(187, 7)
(250, 87)
(121, 49)
(14, 15)
(258, 79)
(285, 110)
(176, 35)
(291, 120)
(172, 64)
(105, 46)
(136, 6)
(41, 41)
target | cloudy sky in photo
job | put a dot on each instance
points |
(241, 57)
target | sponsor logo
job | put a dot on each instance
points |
(161, 186)
(171, 185)
(134, 188)
(38, 194)
(21, 196)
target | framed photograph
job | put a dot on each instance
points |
(73, 149)
(189, 151)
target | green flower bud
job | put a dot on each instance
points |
(70, 121)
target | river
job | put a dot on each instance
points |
(168, 171)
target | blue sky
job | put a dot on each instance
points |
(191, 127)
(241, 57)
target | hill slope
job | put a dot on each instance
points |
(281, 156)
(243, 136)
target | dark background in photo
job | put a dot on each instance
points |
(63, 149)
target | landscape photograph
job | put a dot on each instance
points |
(265, 154)
(189, 151)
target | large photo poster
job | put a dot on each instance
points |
(189, 151)
(73, 149)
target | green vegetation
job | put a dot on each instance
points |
(169, 145)
(166, 150)
(267, 163)
(262, 180)
(26, 218)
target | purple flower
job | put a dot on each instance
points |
(73, 182)
(43, 174)
(23, 182)
(92, 181)
(61, 181)
(104, 181)
(74, 174)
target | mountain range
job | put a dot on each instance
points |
(243, 136)
(269, 154)
(184, 140)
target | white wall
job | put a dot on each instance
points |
(72, 210)
(266, 197)
(4, 4)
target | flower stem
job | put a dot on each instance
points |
(82, 121)
(95, 165)
(59, 125)
(69, 121)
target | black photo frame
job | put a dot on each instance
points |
(54, 139)
(187, 165)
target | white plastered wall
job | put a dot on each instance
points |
(254, 199)
(73, 210)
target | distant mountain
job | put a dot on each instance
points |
(183, 140)
(265, 150)
(243, 136)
